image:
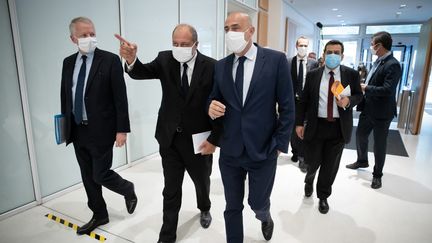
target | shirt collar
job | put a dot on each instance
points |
(250, 54)
(191, 62)
(383, 56)
(336, 71)
(89, 55)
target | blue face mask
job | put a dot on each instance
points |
(332, 60)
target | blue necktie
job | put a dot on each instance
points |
(184, 81)
(300, 78)
(79, 90)
(239, 77)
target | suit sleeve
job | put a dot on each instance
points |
(356, 93)
(63, 91)
(392, 75)
(119, 96)
(217, 124)
(145, 71)
(285, 100)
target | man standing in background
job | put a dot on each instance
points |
(94, 103)
(300, 64)
(186, 78)
(378, 106)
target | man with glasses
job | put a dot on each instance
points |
(329, 120)
(378, 106)
(186, 77)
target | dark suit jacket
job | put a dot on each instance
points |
(105, 97)
(307, 108)
(176, 111)
(256, 126)
(292, 64)
(379, 101)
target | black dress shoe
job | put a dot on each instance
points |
(159, 241)
(303, 166)
(376, 183)
(131, 203)
(323, 206)
(294, 158)
(91, 225)
(205, 219)
(267, 229)
(308, 189)
(357, 165)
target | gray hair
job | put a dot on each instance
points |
(191, 30)
(78, 20)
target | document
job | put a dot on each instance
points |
(339, 91)
(198, 139)
(60, 126)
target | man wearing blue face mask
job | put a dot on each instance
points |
(329, 120)
(186, 78)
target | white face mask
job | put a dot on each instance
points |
(301, 51)
(87, 44)
(182, 54)
(235, 41)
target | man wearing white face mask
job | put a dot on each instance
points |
(329, 120)
(94, 103)
(300, 64)
(378, 106)
(186, 77)
(249, 85)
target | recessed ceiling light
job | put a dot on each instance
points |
(402, 6)
(335, 9)
(343, 24)
(339, 15)
(342, 21)
(398, 13)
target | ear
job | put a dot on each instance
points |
(74, 39)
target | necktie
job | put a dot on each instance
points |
(184, 81)
(330, 98)
(239, 77)
(300, 78)
(79, 90)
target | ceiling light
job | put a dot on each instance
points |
(339, 15)
(398, 13)
(335, 9)
(343, 24)
(342, 21)
(402, 6)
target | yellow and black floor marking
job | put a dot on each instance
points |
(74, 227)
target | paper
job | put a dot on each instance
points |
(339, 91)
(198, 139)
(60, 126)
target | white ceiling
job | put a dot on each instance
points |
(363, 11)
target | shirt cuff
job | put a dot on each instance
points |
(130, 66)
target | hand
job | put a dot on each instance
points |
(300, 132)
(207, 148)
(127, 50)
(343, 102)
(120, 139)
(363, 87)
(216, 109)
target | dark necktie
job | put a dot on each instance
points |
(300, 78)
(184, 81)
(330, 98)
(239, 77)
(79, 90)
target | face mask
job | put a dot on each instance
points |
(332, 60)
(235, 41)
(87, 44)
(182, 54)
(301, 51)
(374, 52)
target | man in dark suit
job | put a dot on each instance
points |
(328, 119)
(378, 106)
(248, 86)
(300, 64)
(94, 102)
(186, 77)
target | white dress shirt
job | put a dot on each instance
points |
(323, 93)
(248, 65)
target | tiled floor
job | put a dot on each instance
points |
(400, 212)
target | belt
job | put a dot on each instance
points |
(84, 122)
(325, 119)
(179, 129)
